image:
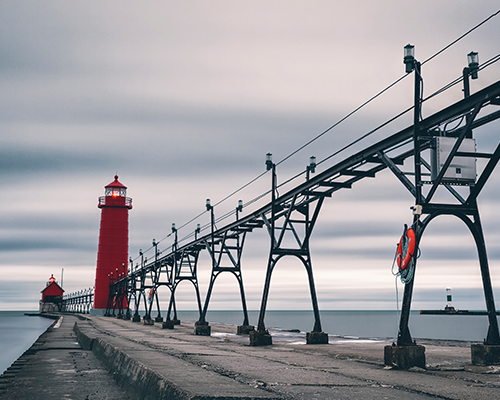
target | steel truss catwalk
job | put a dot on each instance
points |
(296, 212)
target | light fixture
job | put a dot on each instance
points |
(409, 57)
(208, 205)
(473, 60)
(173, 226)
(269, 161)
(240, 205)
(312, 164)
(198, 228)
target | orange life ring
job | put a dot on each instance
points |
(409, 242)
(151, 292)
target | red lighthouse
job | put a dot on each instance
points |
(51, 296)
(112, 254)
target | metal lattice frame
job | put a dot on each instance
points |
(284, 212)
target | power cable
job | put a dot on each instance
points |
(461, 37)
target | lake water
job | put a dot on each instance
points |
(18, 331)
(361, 324)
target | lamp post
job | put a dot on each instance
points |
(413, 65)
(209, 207)
(201, 326)
(269, 161)
(470, 71)
(270, 166)
(409, 57)
(404, 337)
(473, 61)
(155, 245)
(174, 231)
(311, 168)
(239, 209)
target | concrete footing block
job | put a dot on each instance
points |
(260, 338)
(136, 318)
(148, 321)
(168, 324)
(176, 321)
(244, 329)
(202, 328)
(159, 319)
(316, 338)
(485, 354)
(119, 316)
(404, 357)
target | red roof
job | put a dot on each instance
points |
(52, 287)
(116, 183)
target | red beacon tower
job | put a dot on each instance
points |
(112, 253)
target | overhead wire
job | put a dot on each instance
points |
(461, 37)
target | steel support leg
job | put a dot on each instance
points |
(493, 336)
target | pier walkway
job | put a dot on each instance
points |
(153, 363)
(57, 367)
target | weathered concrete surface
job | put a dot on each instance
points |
(139, 365)
(56, 367)
(483, 354)
(159, 363)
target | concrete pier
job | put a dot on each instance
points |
(149, 362)
(57, 367)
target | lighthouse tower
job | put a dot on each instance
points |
(112, 254)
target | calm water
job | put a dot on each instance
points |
(17, 333)
(361, 324)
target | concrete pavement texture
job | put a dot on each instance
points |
(153, 363)
(57, 367)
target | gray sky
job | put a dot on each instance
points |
(184, 99)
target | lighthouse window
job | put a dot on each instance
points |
(115, 192)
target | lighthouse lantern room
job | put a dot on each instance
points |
(112, 253)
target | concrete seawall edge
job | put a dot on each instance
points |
(130, 374)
